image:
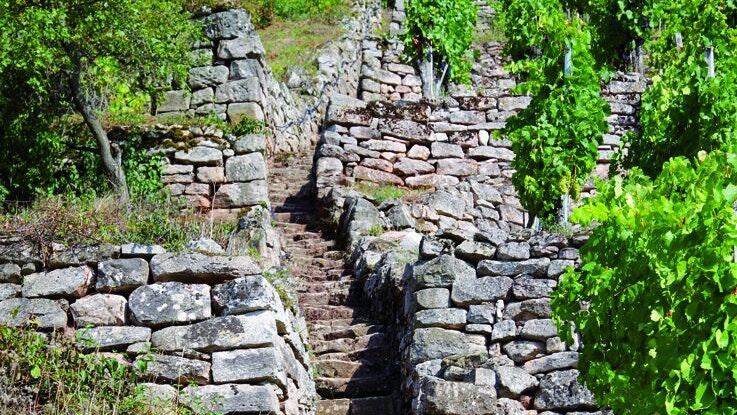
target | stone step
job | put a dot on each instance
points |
(350, 345)
(375, 405)
(334, 297)
(329, 312)
(356, 387)
(333, 368)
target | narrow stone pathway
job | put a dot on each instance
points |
(356, 374)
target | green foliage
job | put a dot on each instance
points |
(284, 284)
(376, 230)
(556, 137)
(266, 12)
(655, 299)
(445, 28)
(246, 126)
(685, 110)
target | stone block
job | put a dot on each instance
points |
(59, 283)
(456, 167)
(228, 24)
(246, 294)
(412, 167)
(438, 396)
(241, 90)
(441, 272)
(211, 174)
(560, 391)
(446, 150)
(555, 361)
(539, 329)
(197, 267)
(121, 275)
(176, 369)
(238, 112)
(514, 381)
(528, 288)
(249, 366)
(169, 303)
(433, 298)
(47, 314)
(536, 267)
(173, 101)
(447, 318)
(205, 76)
(432, 180)
(436, 343)
(99, 310)
(481, 313)
(8, 290)
(250, 143)
(480, 290)
(246, 46)
(10, 273)
(200, 155)
(246, 68)
(111, 338)
(246, 168)
(232, 399)
(237, 195)
(376, 176)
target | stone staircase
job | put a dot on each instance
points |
(357, 372)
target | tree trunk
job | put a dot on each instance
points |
(427, 73)
(109, 153)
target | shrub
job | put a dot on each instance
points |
(655, 298)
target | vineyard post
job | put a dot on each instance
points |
(709, 55)
(679, 40)
(566, 197)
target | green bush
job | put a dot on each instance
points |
(655, 299)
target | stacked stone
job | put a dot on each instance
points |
(486, 15)
(233, 80)
(383, 75)
(623, 93)
(229, 82)
(213, 171)
(212, 324)
(416, 145)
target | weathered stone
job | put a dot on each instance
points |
(385, 77)
(121, 275)
(411, 167)
(560, 391)
(256, 329)
(205, 246)
(211, 174)
(176, 369)
(178, 169)
(59, 283)
(385, 145)
(400, 217)
(504, 330)
(526, 288)
(46, 314)
(246, 168)
(419, 152)
(536, 267)
(251, 365)
(447, 318)
(246, 294)
(236, 195)
(481, 313)
(169, 303)
(528, 309)
(514, 380)
(207, 76)
(141, 250)
(442, 271)
(485, 153)
(514, 103)
(540, 329)
(446, 203)
(246, 68)
(232, 399)
(63, 257)
(468, 117)
(433, 298)
(110, 338)
(196, 267)
(242, 47)
(328, 172)
(475, 251)
(241, 90)
(405, 129)
(508, 406)
(558, 267)
(173, 101)
(10, 273)
(513, 251)
(203, 96)
(250, 143)
(432, 180)
(330, 150)
(9, 290)
(445, 150)
(437, 343)
(523, 350)
(456, 167)
(480, 290)
(240, 111)
(99, 310)
(200, 155)
(555, 361)
(228, 24)
(442, 397)
(376, 176)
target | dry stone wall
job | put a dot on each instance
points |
(233, 80)
(469, 302)
(212, 328)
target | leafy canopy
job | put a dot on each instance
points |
(655, 299)
(446, 28)
(556, 137)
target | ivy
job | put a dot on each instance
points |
(556, 138)
(655, 298)
(445, 28)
